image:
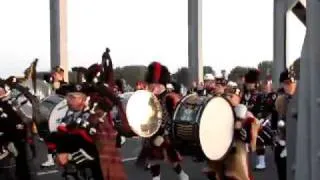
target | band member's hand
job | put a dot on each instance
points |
(12, 148)
(165, 155)
(63, 158)
(238, 125)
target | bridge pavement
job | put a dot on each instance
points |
(130, 151)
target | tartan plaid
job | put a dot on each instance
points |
(110, 157)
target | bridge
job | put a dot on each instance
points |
(303, 145)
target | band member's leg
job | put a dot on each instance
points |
(175, 160)
(261, 158)
(7, 168)
(281, 162)
(155, 171)
(22, 167)
(51, 151)
(178, 169)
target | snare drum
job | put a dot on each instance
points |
(52, 110)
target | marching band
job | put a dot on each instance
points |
(84, 124)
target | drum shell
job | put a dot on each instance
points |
(47, 109)
(188, 129)
(185, 133)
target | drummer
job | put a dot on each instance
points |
(236, 165)
(13, 135)
(220, 86)
(209, 83)
(141, 85)
(158, 147)
(57, 78)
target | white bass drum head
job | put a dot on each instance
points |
(216, 128)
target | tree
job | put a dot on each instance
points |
(295, 67)
(182, 76)
(208, 70)
(265, 68)
(131, 74)
(237, 73)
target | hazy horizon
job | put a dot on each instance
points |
(141, 31)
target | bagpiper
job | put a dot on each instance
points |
(288, 84)
(91, 119)
(253, 100)
(158, 147)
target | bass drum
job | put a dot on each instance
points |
(216, 130)
(203, 126)
(52, 110)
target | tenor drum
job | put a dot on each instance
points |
(52, 110)
(24, 102)
(21, 102)
(121, 123)
(144, 113)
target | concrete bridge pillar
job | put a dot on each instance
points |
(279, 40)
(58, 35)
(195, 63)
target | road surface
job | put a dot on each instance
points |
(130, 151)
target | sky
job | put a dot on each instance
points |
(141, 31)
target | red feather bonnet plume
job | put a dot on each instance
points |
(157, 73)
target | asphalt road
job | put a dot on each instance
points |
(130, 150)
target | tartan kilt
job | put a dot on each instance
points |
(111, 161)
(152, 153)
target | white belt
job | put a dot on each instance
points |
(282, 142)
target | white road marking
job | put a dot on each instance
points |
(47, 172)
(129, 159)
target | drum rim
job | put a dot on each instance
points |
(234, 115)
(45, 99)
(130, 133)
(31, 98)
(159, 125)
